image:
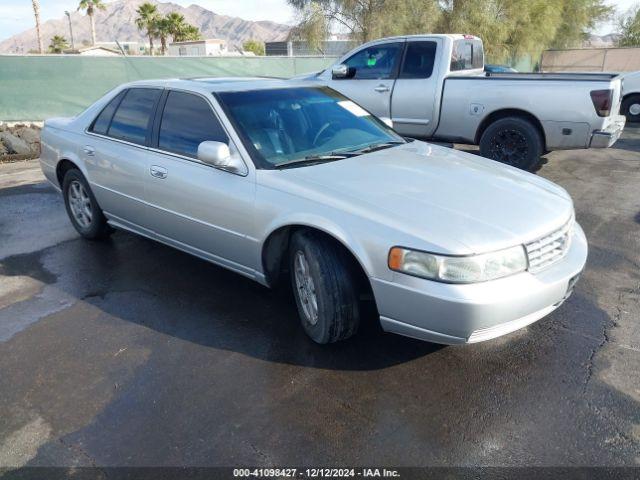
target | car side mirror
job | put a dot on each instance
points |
(342, 71)
(217, 154)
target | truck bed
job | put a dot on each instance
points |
(560, 103)
(569, 77)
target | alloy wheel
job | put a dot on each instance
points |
(80, 204)
(305, 288)
(509, 146)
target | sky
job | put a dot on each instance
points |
(17, 15)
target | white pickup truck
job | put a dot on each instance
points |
(631, 96)
(435, 87)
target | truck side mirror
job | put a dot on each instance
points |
(342, 71)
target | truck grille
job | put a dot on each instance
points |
(550, 248)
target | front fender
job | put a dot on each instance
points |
(348, 239)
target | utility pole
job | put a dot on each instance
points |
(73, 44)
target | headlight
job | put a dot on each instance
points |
(468, 269)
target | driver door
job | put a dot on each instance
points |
(375, 70)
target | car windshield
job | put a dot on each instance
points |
(287, 126)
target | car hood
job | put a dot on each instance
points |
(455, 201)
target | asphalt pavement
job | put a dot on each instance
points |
(130, 353)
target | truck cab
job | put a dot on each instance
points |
(401, 77)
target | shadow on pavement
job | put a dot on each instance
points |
(144, 282)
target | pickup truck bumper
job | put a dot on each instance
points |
(607, 137)
(454, 314)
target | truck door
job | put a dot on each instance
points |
(413, 105)
(373, 71)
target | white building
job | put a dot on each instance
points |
(96, 51)
(130, 48)
(211, 46)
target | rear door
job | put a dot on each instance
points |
(115, 154)
(193, 205)
(375, 69)
(413, 104)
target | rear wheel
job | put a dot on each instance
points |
(324, 287)
(631, 108)
(514, 141)
(82, 207)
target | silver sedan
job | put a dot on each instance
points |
(276, 179)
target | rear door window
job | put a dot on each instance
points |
(187, 121)
(376, 62)
(132, 119)
(418, 60)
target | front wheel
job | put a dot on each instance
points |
(631, 108)
(324, 288)
(514, 141)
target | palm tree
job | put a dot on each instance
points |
(175, 24)
(58, 44)
(91, 6)
(186, 33)
(36, 13)
(163, 30)
(148, 20)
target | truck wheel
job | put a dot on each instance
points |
(514, 141)
(324, 288)
(631, 108)
(82, 207)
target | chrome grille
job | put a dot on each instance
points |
(550, 248)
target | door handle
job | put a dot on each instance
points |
(157, 171)
(382, 88)
(89, 150)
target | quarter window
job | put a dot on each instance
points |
(102, 121)
(187, 121)
(376, 62)
(466, 54)
(418, 60)
(132, 118)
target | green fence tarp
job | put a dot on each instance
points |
(34, 88)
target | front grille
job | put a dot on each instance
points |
(550, 248)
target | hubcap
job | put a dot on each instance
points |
(634, 109)
(80, 204)
(509, 146)
(305, 288)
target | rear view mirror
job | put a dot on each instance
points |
(342, 71)
(217, 154)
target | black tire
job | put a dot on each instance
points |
(93, 226)
(333, 283)
(514, 141)
(631, 108)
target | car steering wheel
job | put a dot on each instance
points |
(328, 130)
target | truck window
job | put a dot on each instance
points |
(376, 62)
(466, 55)
(418, 60)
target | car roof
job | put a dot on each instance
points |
(221, 84)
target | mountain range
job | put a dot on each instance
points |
(117, 22)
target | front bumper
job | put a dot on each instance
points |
(452, 314)
(608, 136)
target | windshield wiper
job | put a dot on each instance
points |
(379, 146)
(315, 159)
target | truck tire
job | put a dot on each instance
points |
(631, 108)
(324, 287)
(82, 207)
(514, 141)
